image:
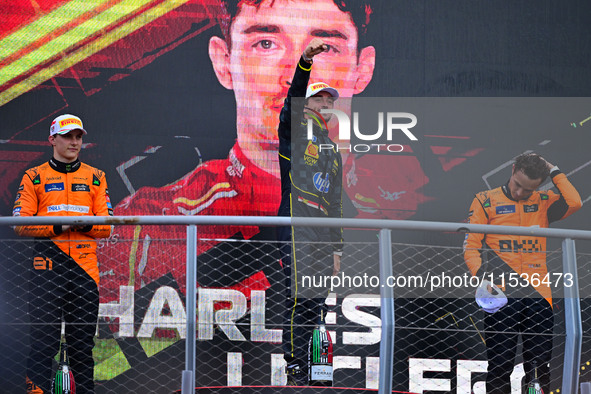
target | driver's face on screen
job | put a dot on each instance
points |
(266, 44)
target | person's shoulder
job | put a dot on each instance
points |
(34, 171)
(545, 195)
(486, 194)
(487, 198)
(87, 167)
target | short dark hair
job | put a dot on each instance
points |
(360, 11)
(532, 165)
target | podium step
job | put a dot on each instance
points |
(283, 390)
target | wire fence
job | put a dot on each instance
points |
(400, 315)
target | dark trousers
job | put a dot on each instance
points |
(302, 312)
(65, 292)
(533, 318)
(301, 316)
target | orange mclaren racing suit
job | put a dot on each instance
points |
(63, 270)
(529, 309)
(523, 254)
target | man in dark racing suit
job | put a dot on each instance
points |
(311, 186)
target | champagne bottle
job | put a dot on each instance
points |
(320, 356)
(534, 387)
(63, 380)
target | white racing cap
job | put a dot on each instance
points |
(318, 87)
(490, 301)
(63, 124)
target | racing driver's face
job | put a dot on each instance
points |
(521, 186)
(266, 43)
(66, 147)
(318, 102)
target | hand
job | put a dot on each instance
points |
(336, 264)
(315, 47)
(81, 227)
(548, 164)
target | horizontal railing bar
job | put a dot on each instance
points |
(298, 222)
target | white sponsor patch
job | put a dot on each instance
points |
(321, 372)
(68, 208)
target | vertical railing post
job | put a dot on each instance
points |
(188, 381)
(572, 317)
(386, 313)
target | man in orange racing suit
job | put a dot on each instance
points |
(64, 273)
(529, 309)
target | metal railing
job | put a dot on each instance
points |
(573, 321)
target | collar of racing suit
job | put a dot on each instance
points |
(506, 191)
(64, 167)
(315, 124)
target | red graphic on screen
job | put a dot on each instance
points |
(253, 57)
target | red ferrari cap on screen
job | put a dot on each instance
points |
(63, 124)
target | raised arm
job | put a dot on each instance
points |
(298, 87)
(567, 202)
